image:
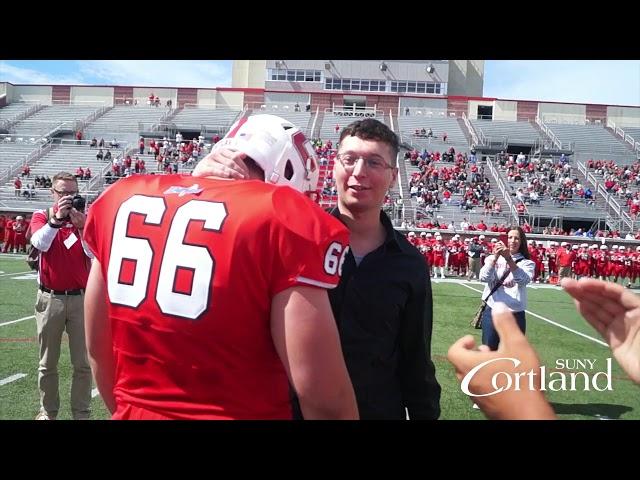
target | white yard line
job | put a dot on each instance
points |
(94, 393)
(16, 321)
(13, 256)
(600, 342)
(16, 273)
(12, 378)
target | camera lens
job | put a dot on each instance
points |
(78, 203)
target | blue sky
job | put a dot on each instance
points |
(614, 82)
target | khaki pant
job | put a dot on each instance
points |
(564, 272)
(474, 267)
(54, 315)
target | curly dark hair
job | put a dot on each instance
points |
(371, 129)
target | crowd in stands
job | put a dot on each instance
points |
(424, 133)
(153, 100)
(326, 152)
(435, 185)
(101, 144)
(83, 173)
(42, 181)
(169, 156)
(481, 226)
(543, 178)
(28, 190)
(619, 180)
(104, 156)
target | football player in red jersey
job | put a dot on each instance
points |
(207, 299)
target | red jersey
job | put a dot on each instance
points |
(64, 266)
(191, 267)
(9, 233)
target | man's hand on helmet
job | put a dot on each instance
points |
(223, 163)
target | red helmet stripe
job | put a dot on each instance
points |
(232, 133)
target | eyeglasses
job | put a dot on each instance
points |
(64, 194)
(349, 161)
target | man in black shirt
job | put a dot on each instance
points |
(383, 303)
(475, 252)
(383, 308)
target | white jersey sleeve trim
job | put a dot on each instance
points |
(316, 283)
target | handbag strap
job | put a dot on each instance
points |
(501, 281)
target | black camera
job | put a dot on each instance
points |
(78, 202)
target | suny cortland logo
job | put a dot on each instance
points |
(554, 380)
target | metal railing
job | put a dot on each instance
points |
(294, 107)
(474, 137)
(25, 160)
(81, 103)
(610, 200)
(6, 124)
(506, 194)
(214, 106)
(547, 131)
(97, 113)
(501, 141)
(97, 181)
(618, 131)
(402, 169)
(314, 122)
(353, 111)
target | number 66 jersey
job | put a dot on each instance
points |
(191, 266)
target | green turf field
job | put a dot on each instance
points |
(454, 305)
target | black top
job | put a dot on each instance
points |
(384, 312)
(475, 249)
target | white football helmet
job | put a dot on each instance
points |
(278, 147)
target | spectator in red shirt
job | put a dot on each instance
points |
(9, 236)
(565, 257)
(19, 231)
(17, 183)
(62, 278)
(3, 222)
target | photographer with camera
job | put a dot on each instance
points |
(62, 277)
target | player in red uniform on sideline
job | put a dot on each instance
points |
(208, 297)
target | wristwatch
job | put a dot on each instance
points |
(55, 225)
